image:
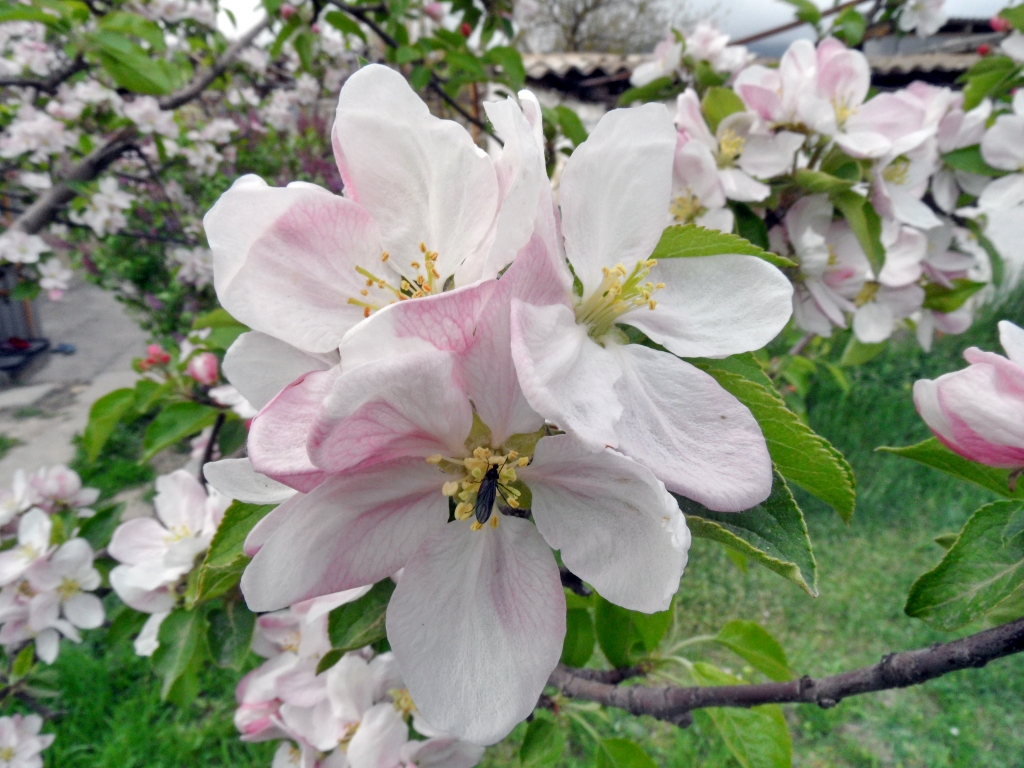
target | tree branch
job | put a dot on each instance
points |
(435, 84)
(795, 24)
(50, 83)
(211, 446)
(48, 204)
(203, 79)
(896, 670)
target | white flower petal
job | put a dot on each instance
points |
(84, 610)
(237, 479)
(260, 366)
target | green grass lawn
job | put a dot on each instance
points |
(972, 718)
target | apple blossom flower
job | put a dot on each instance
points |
(698, 196)
(217, 131)
(743, 148)
(36, 132)
(21, 741)
(833, 267)
(384, 453)
(204, 157)
(880, 307)
(900, 181)
(667, 56)
(146, 113)
(105, 211)
(59, 488)
(19, 498)
(434, 10)
(923, 16)
(204, 368)
(978, 411)
(19, 247)
(155, 553)
(570, 355)
(708, 43)
(63, 582)
(196, 266)
(959, 129)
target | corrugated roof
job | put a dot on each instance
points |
(540, 65)
(923, 62)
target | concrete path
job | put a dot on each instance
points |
(49, 403)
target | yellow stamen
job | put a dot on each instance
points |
(617, 294)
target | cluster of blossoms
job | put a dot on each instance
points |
(46, 579)
(437, 397)
(357, 713)
(679, 53)
(156, 553)
(809, 121)
(21, 741)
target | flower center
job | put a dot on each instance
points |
(7, 754)
(730, 146)
(686, 207)
(403, 701)
(379, 292)
(897, 172)
(484, 476)
(842, 109)
(68, 587)
(177, 533)
(867, 293)
(618, 293)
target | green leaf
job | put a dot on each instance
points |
(934, 454)
(762, 651)
(994, 256)
(133, 24)
(99, 528)
(103, 418)
(718, 103)
(850, 26)
(419, 78)
(174, 423)
(1001, 73)
(407, 53)
(124, 622)
(750, 226)
(543, 744)
(969, 159)
(1009, 609)
(946, 540)
(131, 66)
(23, 662)
(627, 636)
(224, 562)
(943, 299)
(773, 534)
(622, 753)
(802, 456)
(578, 645)
(303, 45)
(328, 660)
(689, 240)
(757, 737)
(361, 622)
(980, 570)
(1015, 16)
(344, 24)
(179, 657)
(865, 223)
(857, 352)
(19, 12)
(230, 634)
(26, 290)
(806, 11)
(816, 181)
(511, 63)
(571, 125)
(148, 393)
(650, 92)
(232, 434)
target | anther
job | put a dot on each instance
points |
(434, 458)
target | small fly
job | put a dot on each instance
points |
(490, 488)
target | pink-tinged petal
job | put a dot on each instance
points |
(694, 436)
(350, 687)
(378, 741)
(444, 321)
(354, 529)
(422, 179)
(826, 300)
(767, 156)
(615, 190)
(291, 272)
(565, 376)
(278, 434)
(808, 315)
(760, 88)
(236, 479)
(260, 366)
(886, 115)
(405, 406)
(523, 185)
(903, 258)
(863, 144)
(694, 172)
(267, 525)
(487, 368)
(477, 624)
(84, 610)
(145, 600)
(690, 119)
(73, 558)
(926, 400)
(984, 406)
(180, 502)
(616, 526)
(138, 541)
(1011, 337)
(715, 305)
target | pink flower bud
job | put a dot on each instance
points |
(156, 355)
(999, 24)
(204, 368)
(465, 29)
(434, 11)
(287, 11)
(984, 49)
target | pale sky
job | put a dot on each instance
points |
(737, 17)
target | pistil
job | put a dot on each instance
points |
(618, 293)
